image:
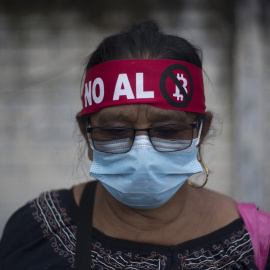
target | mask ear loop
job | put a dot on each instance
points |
(88, 134)
(199, 134)
(198, 142)
(201, 162)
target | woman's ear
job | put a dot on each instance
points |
(207, 120)
(82, 126)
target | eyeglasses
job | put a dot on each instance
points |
(166, 138)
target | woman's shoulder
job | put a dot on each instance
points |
(217, 209)
(222, 205)
(41, 219)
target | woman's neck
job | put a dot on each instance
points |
(189, 214)
(118, 220)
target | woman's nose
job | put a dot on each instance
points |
(138, 133)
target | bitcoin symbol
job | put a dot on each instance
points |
(186, 86)
(177, 93)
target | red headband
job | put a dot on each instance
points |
(166, 84)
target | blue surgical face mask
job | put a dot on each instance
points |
(144, 178)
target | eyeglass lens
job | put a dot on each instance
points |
(163, 138)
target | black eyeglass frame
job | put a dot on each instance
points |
(193, 125)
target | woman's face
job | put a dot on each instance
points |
(139, 116)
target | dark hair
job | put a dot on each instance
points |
(144, 41)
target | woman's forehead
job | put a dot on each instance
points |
(131, 113)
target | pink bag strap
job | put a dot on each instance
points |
(258, 226)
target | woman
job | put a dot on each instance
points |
(143, 120)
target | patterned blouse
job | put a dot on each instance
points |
(42, 235)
